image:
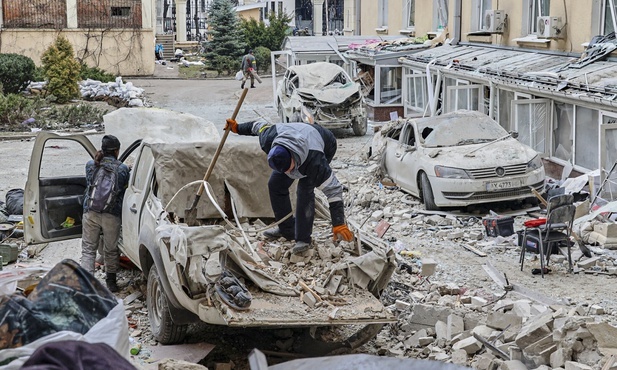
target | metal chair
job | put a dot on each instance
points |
(557, 228)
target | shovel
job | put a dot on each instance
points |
(190, 215)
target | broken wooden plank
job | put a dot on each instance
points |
(609, 363)
(131, 297)
(474, 250)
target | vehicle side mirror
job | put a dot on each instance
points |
(514, 134)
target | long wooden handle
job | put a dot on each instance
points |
(220, 147)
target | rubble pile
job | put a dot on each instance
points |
(115, 93)
(444, 322)
(120, 93)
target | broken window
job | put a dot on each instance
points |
(586, 138)
(563, 124)
(531, 119)
(117, 11)
(390, 82)
(440, 14)
(382, 13)
(463, 95)
(504, 98)
(121, 14)
(609, 17)
(417, 91)
(535, 9)
(609, 158)
(38, 14)
(409, 14)
(479, 8)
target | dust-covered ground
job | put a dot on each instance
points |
(430, 237)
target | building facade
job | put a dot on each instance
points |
(115, 35)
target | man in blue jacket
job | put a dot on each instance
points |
(299, 151)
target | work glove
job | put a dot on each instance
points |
(232, 125)
(342, 232)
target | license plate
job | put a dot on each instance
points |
(502, 185)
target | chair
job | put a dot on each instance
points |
(556, 227)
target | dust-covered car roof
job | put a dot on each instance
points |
(317, 75)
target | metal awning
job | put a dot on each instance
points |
(547, 72)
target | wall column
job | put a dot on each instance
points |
(318, 17)
(180, 20)
(71, 14)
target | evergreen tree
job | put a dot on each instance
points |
(61, 70)
(227, 37)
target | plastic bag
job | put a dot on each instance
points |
(15, 201)
(239, 75)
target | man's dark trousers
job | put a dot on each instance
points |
(302, 225)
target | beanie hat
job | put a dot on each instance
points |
(279, 158)
(110, 143)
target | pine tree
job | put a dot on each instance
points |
(61, 70)
(227, 37)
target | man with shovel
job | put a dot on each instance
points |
(298, 151)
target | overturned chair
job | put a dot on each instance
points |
(550, 231)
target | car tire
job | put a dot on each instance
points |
(427, 194)
(359, 126)
(163, 327)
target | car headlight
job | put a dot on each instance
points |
(535, 163)
(450, 172)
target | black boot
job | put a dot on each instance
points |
(110, 280)
(242, 86)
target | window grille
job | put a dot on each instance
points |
(40, 14)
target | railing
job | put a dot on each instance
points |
(34, 14)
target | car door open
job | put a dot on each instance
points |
(54, 192)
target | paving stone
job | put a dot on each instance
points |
(571, 365)
(478, 301)
(513, 365)
(425, 341)
(459, 357)
(483, 361)
(589, 262)
(521, 308)
(534, 330)
(483, 331)
(455, 326)
(441, 330)
(441, 357)
(377, 215)
(426, 316)
(500, 321)
(456, 235)
(471, 345)
(309, 299)
(400, 305)
(414, 340)
(504, 304)
(428, 267)
(596, 310)
(559, 357)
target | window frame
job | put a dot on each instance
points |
(382, 13)
(408, 6)
(523, 100)
(530, 18)
(477, 17)
(437, 9)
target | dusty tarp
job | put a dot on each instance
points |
(193, 246)
(326, 82)
(242, 166)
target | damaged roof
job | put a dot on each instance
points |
(586, 77)
(314, 44)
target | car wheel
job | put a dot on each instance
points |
(163, 327)
(427, 194)
(359, 126)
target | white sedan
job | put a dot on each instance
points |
(458, 159)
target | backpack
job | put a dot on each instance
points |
(103, 190)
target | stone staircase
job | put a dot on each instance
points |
(168, 45)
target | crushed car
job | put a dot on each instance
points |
(327, 91)
(458, 159)
(212, 272)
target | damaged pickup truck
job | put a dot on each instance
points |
(327, 91)
(458, 159)
(212, 272)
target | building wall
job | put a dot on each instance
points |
(579, 27)
(129, 53)
(250, 14)
(29, 28)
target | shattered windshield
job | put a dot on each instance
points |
(458, 130)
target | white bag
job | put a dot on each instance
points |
(239, 75)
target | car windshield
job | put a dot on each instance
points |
(457, 130)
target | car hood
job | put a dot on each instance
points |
(503, 153)
(330, 94)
